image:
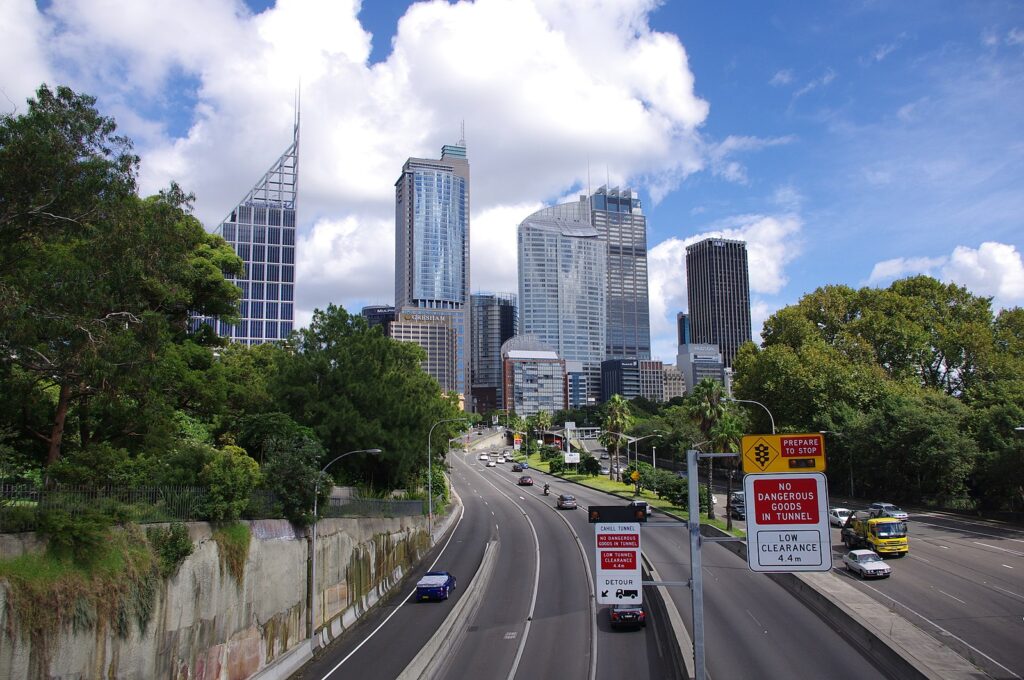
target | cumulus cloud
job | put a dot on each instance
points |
(207, 90)
(783, 77)
(773, 242)
(992, 269)
(720, 155)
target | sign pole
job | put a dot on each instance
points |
(696, 581)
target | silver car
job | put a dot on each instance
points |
(866, 564)
(887, 510)
(837, 516)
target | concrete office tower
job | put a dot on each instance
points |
(618, 217)
(533, 377)
(652, 380)
(434, 333)
(675, 385)
(261, 229)
(718, 290)
(432, 248)
(562, 286)
(495, 320)
(621, 377)
(699, 361)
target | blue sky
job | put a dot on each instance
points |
(846, 142)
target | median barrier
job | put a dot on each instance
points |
(669, 626)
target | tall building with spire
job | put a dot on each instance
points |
(618, 217)
(432, 258)
(261, 229)
(718, 292)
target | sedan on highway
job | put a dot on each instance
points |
(525, 480)
(566, 502)
(435, 585)
(837, 516)
(627, 616)
(491, 463)
(866, 564)
(887, 510)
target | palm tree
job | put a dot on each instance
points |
(543, 421)
(725, 438)
(705, 408)
(617, 418)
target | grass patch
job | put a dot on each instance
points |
(233, 543)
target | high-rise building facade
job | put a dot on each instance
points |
(652, 380)
(618, 217)
(675, 384)
(433, 332)
(683, 334)
(379, 315)
(562, 286)
(621, 377)
(494, 320)
(261, 229)
(718, 291)
(533, 377)
(699, 361)
(432, 248)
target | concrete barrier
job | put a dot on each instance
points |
(434, 655)
(669, 626)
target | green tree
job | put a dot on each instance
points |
(617, 418)
(726, 436)
(291, 466)
(705, 408)
(229, 478)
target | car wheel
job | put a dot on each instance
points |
(861, 574)
(446, 593)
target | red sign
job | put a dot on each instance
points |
(786, 501)
(618, 559)
(802, 447)
(618, 540)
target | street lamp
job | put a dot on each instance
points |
(316, 519)
(636, 449)
(840, 434)
(618, 473)
(430, 476)
(751, 401)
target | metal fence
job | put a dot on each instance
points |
(22, 505)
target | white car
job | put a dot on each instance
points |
(491, 463)
(837, 516)
(484, 456)
(501, 459)
(866, 564)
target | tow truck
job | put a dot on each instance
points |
(884, 535)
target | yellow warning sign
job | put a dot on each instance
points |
(766, 453)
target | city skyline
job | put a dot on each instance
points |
(845, 143)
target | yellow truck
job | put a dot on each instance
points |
(884, 535)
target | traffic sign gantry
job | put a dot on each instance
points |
(618, 578)
(770, 453)
(787, 522)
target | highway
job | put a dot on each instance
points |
(963, 582)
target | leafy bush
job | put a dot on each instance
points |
(590, 465)
(97, 465)
(290, 469)
(172, 545)
(78, 537)
(557, 465)
(17, 518)
(230, 477)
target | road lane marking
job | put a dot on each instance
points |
(960, 520)
(996, 547)
(755, 620)
(915, 557)
(1008, 566)
(1008, 592)
(969, 531)
(951, 596)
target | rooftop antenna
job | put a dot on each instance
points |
(298, 107)
(607, 178)
(588, 174)
(462, 133)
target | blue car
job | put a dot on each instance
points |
(435, 585)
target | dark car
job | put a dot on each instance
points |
(566, 502)
(435, 585)
(738, 511)
(525, 481)
(517, 468)
(627, 616)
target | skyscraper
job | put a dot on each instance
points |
(432, 249)
(494, 320)
(683, 328)
(618, 217)
(562, 286)
(718, 291)
(261, 229)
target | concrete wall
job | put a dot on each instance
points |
(205, 625)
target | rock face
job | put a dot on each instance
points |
(207, 625)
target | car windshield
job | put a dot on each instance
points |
(892, 530)
(870, 558)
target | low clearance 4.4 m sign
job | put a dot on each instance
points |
(787, 522)
(618, 563)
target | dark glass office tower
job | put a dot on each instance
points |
(495, 320)
(261, 229)
(618, 217)
(718, 290)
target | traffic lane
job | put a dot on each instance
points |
(978, 617)
(739, 607)
(981, 555)
(621, 653)
(492, 642)
(386, 638)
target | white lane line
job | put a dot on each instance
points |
(1008, 592)
(915, 557)
(941, 629)
(969, 531)
(755, 620)
(951, 596)
(996, 547)
(1008, 566)
(405, 600)
(964, 521)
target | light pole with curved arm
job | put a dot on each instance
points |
(751, 401)
(316, 497)
(636, 449)
(430, 477)
(618, 473)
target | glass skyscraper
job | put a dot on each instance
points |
(562, 286)
(718, 292)
(261, 229)
(494, 321)
(618, 217)
(432, 249)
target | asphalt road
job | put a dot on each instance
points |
(963, 582)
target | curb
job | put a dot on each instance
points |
(430, 660)
(676, 639)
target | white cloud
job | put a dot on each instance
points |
(827, 77)
(1015, 36)
(783, 77)
(773, 242)
(723, 166)
(992, 269)
(543, 86)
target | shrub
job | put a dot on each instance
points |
(290, 469)
(590, 465)
(230, 477)
(172, 545)
(77, 537)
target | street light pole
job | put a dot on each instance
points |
(430, 477)
(751, 401)
(316, 519)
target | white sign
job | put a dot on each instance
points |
(572, 456)
(569, 425)
(787, 522)
(618, 563)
